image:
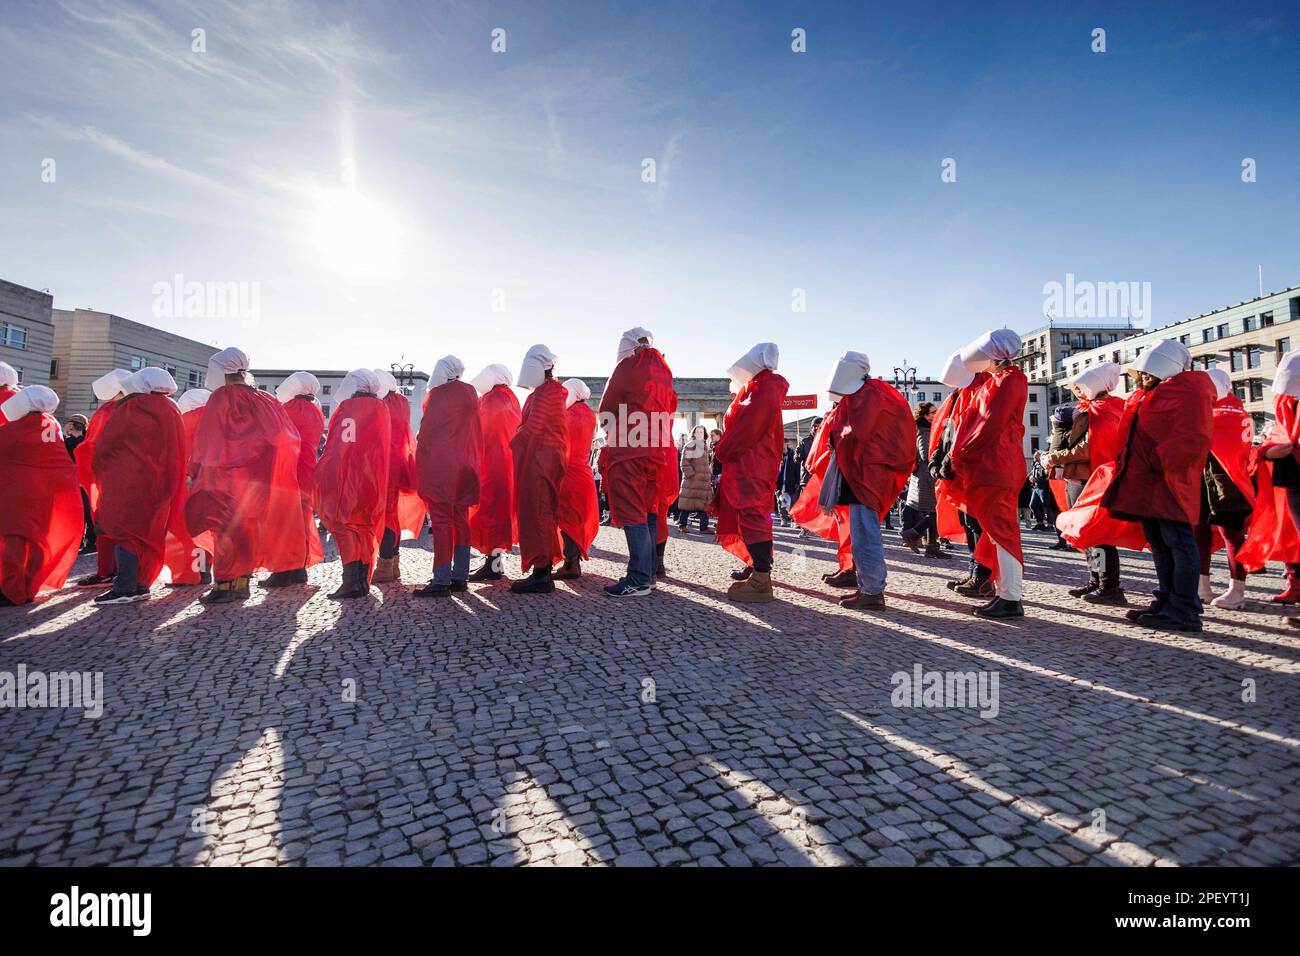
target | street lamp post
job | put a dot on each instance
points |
(905, 378)
(405, 375)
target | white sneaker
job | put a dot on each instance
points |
(1234, 597)
(1204, 591)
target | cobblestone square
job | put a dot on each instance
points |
(676, 729)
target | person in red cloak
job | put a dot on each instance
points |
(807, 513)
(299, 394)
(493, 524)
(1092, 441)
(244, 481)
(189, 560)
(1275, 523)
(448, 455)
(872, 433)
(404, 510)
(140, 471)
(351, 484)
(750, 451)
(540, 450)
(1165, 436)
(988, 461)
(8, 385)
(578, 514)
(639, 460)
(108, 390)
(41, 522)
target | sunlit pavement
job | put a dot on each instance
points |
(673, 729)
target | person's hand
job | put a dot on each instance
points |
(1274, 452)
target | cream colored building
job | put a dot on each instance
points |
(26, 332)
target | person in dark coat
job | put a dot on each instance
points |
(787, 482)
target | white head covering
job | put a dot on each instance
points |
(8, 375)
(578, 391)
(536, 362)
(194, 398)
(447, 369)
(33, 398)
(1095, 379)
(1222, 382)
(631, 341)
(226, 362)
(387, 382)
(358, 380)
(994, 346)
(491, 376)
(109, 385)
(150, 379)
(762, 356)
(1287, 379)
(955, 374)
(1165, 359)
(299, 383)
(848, 373)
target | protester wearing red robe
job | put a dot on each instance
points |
(41, 520)
(189, 560)
(299, 393)
(809, 516)
(578, 514)
(873, 435)
(639, 461)
(404, 510)
(988, 462)
(449, 454)
(493, 524)
(140, 471)
(540, 450)
(351, 484)
(107, 389)
(1275, 523)
(750, 450)
(244, 481)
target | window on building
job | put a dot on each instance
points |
(1096, 340)
(1293, 308)
(1033, 444)
(1234, 359)
(1065, 338)
(1185, 339)
(1207, 362)
(54, 368)
(1283, 346)
(1250, 323)
(1033, 419)
(1239, 389)
(1033, 397)
(1256, 389)
(1265, 320)
(138, 362)
(1252, 356)
(325, 389)
(936, 396)
(1114, 357)
(1111, 338)
(14, 336)
(1079, 342)
(1207, 335)
(193, 380)
(325, 409)
(1223, 331)
(19, 370)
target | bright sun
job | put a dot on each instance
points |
(356, 237)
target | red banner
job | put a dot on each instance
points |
(793, 402)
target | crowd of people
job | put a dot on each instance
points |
(219, 483)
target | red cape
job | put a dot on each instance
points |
(1088, 524)
(140, 470)
(1104, 416)
(750, 449)
(41, 521)
(989, 459)
(493, 525)
(450, 449)
(947, 493)
(86, 451)
(403, 510)
(1273, 535)
(874, 436)
(578, 513)
(308, 418)
(351, 485)
(636, 409)
(805, 510)
(540, 450)
(245, 482)
(181, 558)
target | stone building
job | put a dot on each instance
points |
(26, 332)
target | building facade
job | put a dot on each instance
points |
(1246, 340)
(413, 384)
(88, 343)
(27, 332)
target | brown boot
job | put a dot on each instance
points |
(386, 570)
(858, 601)
(755, 589)
(572, 568)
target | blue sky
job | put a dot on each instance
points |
(390, 186)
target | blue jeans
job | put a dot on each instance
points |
(868, 553)
(127, 580)
(641, 551)
(1178, 569)
(458, 570)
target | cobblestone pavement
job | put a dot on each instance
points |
(674, 729)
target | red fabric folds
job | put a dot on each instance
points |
(1104, 415)
(308, 418)
(140, 469)
(1273, 535)
(805, 510)
(493, 524)
(181, 558)
(752, 443)
(351, 485)
(636, 413)
(578, 514)
(448, 455)
(989, 460)
(540, 450)
(1088, 524)
(947, 492)
(244, 486)
(404, 509)
(874, 436)
(41, 521)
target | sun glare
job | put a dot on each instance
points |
(356, 237)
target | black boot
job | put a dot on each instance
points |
(433, 589)
(278, 579)
(492, 569)
(356, 581)
(848, 578)
(743, 574)
(1094, 584)
(999, 608)
(539, 582)
(660, 571)
(1111, 594)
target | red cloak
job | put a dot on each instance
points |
(636, 414)
(181, 559)
(805, 510)
(750, 449)
(874, 436)
(578, 513)
(493, 524)
(948, 500)
(404, 511)
(41, 521)
(351, 484)
(244, 485)
(140, 470)
(308, 418)
(448, 455)
(1104, 415)
(540, 450)
(1273, 535)
(989, 459)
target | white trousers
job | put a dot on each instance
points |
(1010, 585)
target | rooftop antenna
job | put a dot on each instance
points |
(1261, 280)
